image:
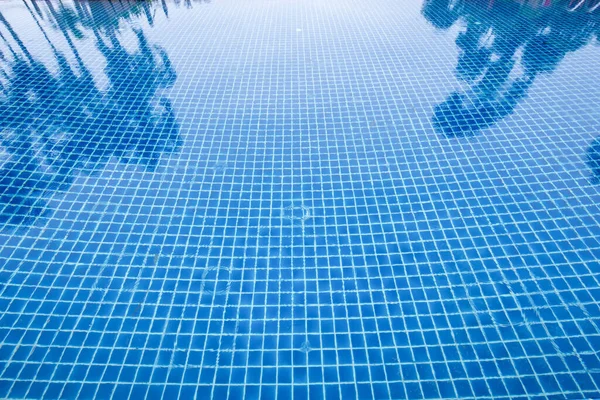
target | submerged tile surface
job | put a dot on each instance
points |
(269, 199)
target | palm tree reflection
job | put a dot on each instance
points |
(56, 126)
(505, 45)
(593, 159)
(489, 47)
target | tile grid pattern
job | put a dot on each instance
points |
(301, 245)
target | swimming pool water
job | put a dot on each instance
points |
(270, 199)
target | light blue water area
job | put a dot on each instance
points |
(270, 199)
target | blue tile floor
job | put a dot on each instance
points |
(325, 199)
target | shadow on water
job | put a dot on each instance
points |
(55, 126)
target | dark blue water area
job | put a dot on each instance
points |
(266, 199)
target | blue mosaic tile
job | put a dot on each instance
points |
(261, 199)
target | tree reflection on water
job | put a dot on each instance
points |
(55, 126)
(503, 48)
